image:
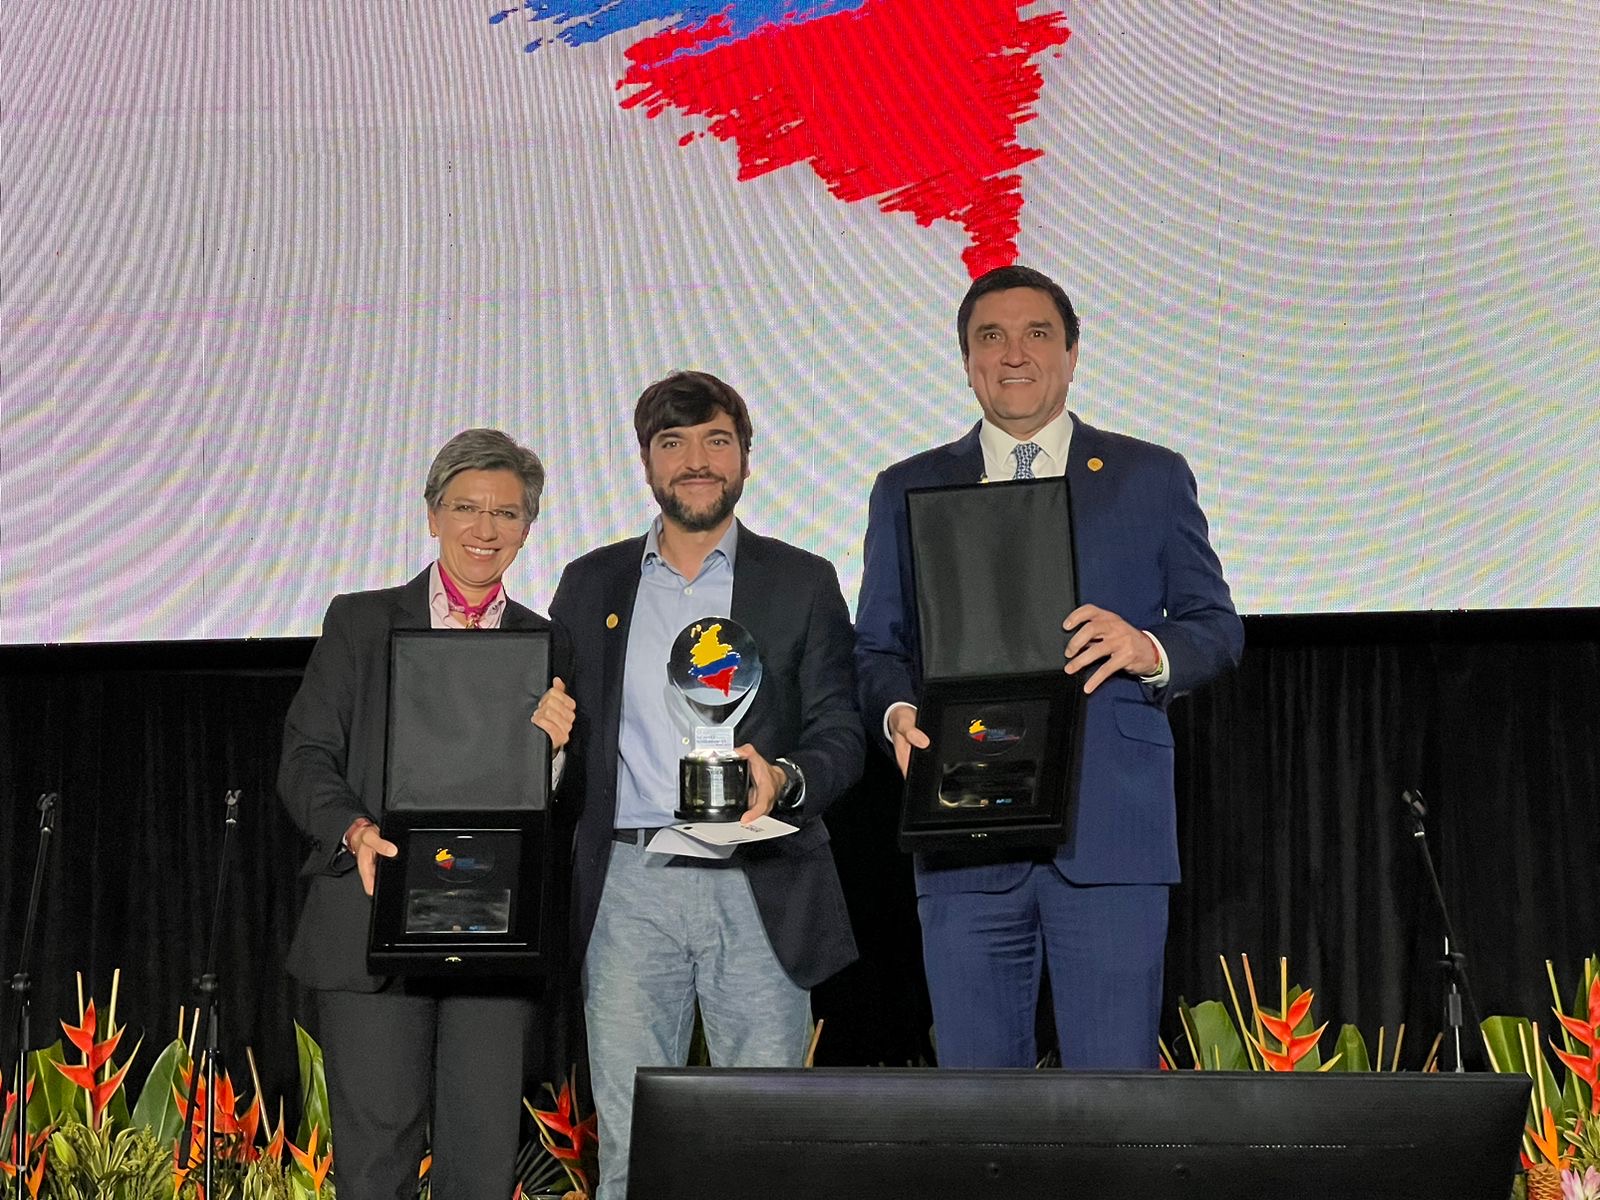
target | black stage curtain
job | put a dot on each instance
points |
(1289, 776)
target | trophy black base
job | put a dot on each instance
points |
(465, 896)
(999, 769)
(713, 786)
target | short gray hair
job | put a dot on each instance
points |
(486, 450)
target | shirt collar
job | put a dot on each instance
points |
(727, 546)
(439, 605)
(998, 445)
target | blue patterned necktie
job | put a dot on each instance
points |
(1026, 453)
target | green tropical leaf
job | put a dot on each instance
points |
(314, 1111)
(1351, 1051)
(1213, 1037)
(157, 1108)
(1505, 1039)
(53, 1092)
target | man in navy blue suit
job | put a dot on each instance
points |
(1155, 620)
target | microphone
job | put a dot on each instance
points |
(47, 811)
(1454, 962)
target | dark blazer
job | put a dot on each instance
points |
(805, 710)
(1142, 553)
(332, 770)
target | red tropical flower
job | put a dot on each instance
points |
(1292, 1047)
(580, 1135)
(1548, 1139)
(224, 1119)
(249, 1126)
(307, 1159)
(31, 1145)
(1586, 1033)
(96, 1056)
(274, 1149)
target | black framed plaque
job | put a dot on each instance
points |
(466, 801)
(995, 577)
(996, 774)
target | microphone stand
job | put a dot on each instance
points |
(206, 986)
(22, 984)
(1454, 962)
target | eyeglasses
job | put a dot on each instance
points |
(468, 514)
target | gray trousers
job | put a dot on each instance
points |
(669, 934)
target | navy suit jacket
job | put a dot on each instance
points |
(805, 710)
(1142, 553)
(332, 770)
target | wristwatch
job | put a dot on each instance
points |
(794, 786)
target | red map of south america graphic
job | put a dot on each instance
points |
(914, 105)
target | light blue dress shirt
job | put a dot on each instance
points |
(649, 742)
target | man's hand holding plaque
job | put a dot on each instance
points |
(904, 735)
(1101, 636)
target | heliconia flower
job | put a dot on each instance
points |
(1548, 1139)
(5, 1120)
(559, 1121)
(274, 1149)
(96, 1055)
(1586, 1033)
(249, 1125)
(36, 1176)
(579, 1134)
(36, 1142)
(1283, 1027)
(307, 1159)
(1293, 1051)
(224, 1120)
(1585, 1069)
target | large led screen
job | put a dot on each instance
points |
(260, 258)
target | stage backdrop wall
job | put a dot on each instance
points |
(1289, 776)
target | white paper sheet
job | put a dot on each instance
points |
(715, 839)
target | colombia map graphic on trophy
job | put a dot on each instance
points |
(913, 104)
(713, 674)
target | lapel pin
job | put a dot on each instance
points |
(611, 620)
(1095, 464)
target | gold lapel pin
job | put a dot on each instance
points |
(1095, 464)
(611, 620)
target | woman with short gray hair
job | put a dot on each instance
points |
(402, 1058)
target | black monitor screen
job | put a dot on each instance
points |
(999, 1135)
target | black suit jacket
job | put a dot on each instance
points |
(805, 710)
(332, 770)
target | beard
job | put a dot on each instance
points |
(708, 518)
